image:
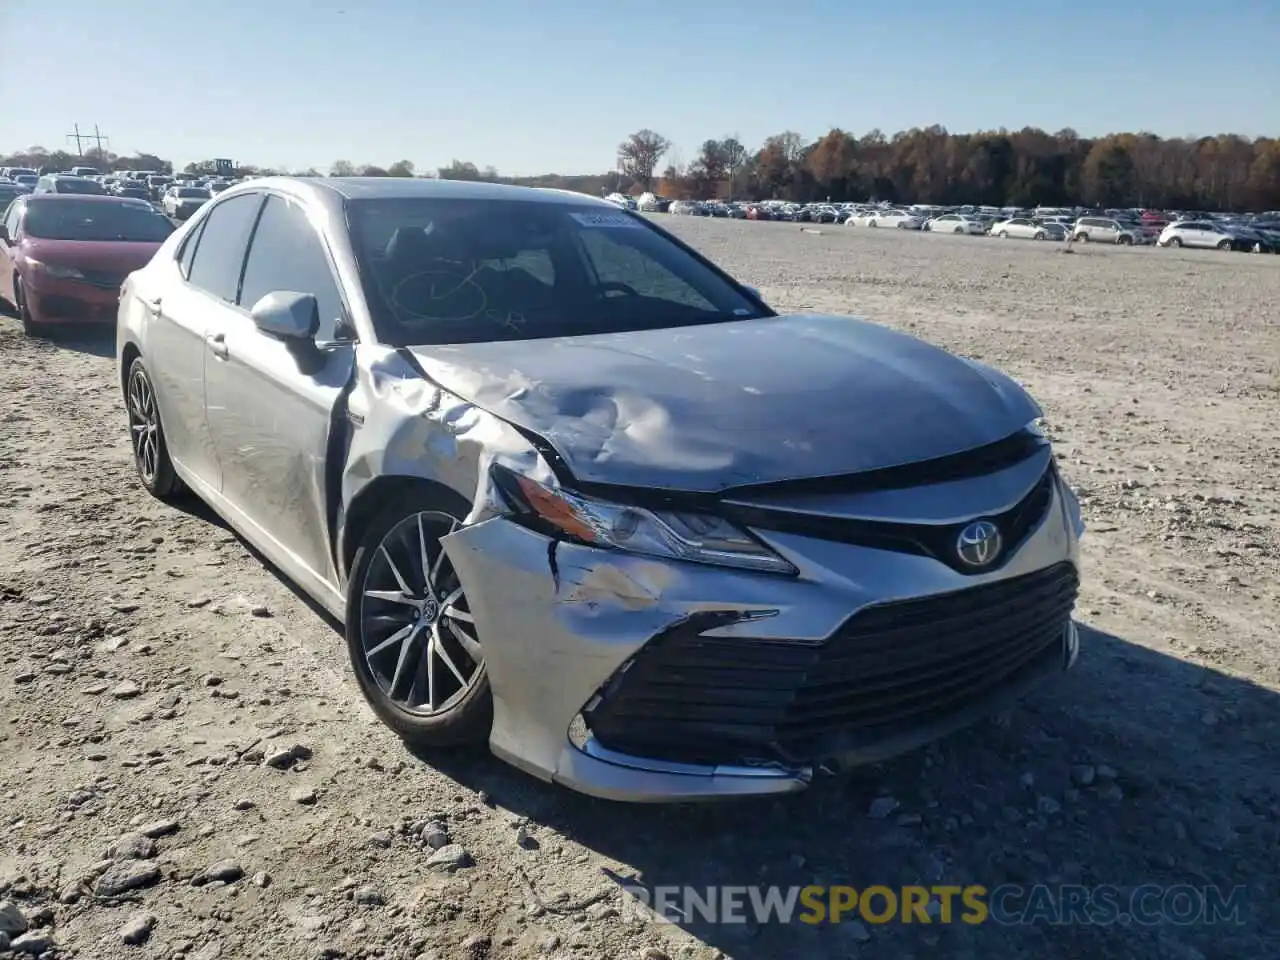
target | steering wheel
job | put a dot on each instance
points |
(614, 286)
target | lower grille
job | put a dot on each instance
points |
(889, 669)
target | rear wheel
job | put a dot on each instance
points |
(1003, 234)
(1082, 237)
(150, 452)
(410, 634)
(1040, 235)
(1224, 244)
(1124, 241)
(1175, 242)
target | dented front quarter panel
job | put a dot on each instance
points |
(558, 619)
(403, 425)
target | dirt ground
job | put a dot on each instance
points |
(185, 762)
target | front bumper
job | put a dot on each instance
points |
(575, 635)
(52, 300)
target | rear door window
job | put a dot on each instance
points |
(219, 255)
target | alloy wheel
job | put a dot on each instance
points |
(144, 425)
(416, 630)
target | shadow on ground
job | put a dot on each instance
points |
(1019, 800)
(95, 340)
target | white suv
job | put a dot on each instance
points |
(1105, 230)
(1194, 233)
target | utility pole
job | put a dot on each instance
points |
(97, 137)
(77, 138)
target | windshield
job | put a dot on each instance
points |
(466, 271)
(193, 193)
(95, 220)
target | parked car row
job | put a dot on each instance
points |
(1258, 233)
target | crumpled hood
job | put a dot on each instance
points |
(706, 408)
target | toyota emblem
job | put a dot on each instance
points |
(979, 544)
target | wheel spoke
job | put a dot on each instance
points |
(427, 573)
(448, 662)
(432, 642)
(403, 658)
(468, 643)
(435, 570)
(392, 596)
(392, 640)
(395, 572)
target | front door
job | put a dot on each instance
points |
(270, 402)
(210, 262)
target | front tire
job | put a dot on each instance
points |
(1174, 242)
(146, 435)
(29, 325)
(1224, 245)
(1003, 234)
(410, 634)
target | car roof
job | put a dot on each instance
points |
(410, 188)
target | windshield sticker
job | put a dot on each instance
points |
(606, 220)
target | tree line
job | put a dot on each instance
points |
(1025, 168)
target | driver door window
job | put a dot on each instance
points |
(613, 261)
(286, 254)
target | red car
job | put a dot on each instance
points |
(63, 257)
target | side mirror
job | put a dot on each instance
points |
(287, 315)
(4, 233)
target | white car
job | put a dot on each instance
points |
(956, 223)
(1194, 233)
(1022, 228)
(900, 219)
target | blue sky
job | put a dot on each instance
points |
(554, 85)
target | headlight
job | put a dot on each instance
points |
(697, 538)
(1038, 428)
(56, 271)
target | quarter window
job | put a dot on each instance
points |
(286, 254)
(219, 257)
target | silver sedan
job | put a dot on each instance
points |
(578, 494)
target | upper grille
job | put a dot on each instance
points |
(887, 670)
(923, 539)
(108, 280)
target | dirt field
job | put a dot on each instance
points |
(155, 676)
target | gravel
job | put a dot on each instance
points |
(1160, 378)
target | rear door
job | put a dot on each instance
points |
(271, 402)
(210, 262)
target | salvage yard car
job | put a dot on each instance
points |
(63, 257)
(577, 493)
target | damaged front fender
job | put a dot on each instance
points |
(401, 426)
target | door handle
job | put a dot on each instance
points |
(218, 344)
(152, 305)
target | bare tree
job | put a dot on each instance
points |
(401, 168)
(342, 168)
(638, 155)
